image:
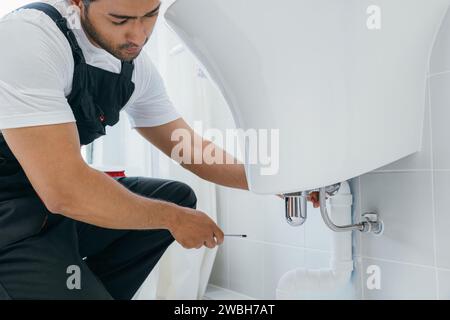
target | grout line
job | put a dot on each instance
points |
(278, 244)
(431, 75)
(305, 237)
(401, 170)
(408, 170)
(237, 294)
(360, 240)
(264, 264)
(433, 196)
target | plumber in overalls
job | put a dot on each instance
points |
(60, 86)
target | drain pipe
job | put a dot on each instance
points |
(325, 283)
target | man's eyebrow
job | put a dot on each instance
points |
(119, 16)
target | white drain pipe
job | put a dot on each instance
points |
(325, 283)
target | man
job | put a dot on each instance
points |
(60, 86)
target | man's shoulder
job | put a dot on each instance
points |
(30, 24)
(37, 41)
(38, 30)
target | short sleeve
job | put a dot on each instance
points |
(34, 63)
(153, 106)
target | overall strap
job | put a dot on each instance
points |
(61, 22)
(127, 70)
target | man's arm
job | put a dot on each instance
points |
(50, 156)
(230, 174)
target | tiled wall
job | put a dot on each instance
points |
(411, 195)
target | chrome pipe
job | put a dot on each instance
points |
(295, 207)
(371, 224)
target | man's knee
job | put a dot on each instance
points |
(187, 196)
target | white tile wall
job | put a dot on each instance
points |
(221, 205)
(411, 196)
(444, 284)
(440, 60)
(442, 192)
(401, 281)
(219, 275)
(245, 213)
(355, 187)
(404, 202)
(317, 234)
(440, 113)
(246, 267)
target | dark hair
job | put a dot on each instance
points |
(87, 2)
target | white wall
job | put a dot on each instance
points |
(10, 5)
(411, 196)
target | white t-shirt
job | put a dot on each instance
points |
(36, 73)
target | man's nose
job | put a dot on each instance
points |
(137, 34)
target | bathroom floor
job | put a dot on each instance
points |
(217, 293)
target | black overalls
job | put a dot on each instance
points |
(40, 251)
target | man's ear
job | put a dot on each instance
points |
(77, 3)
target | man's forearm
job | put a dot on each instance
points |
(97, 199)
(230, 174)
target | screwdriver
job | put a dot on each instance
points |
(236, 235)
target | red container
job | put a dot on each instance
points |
(115, 173)
(111, 171)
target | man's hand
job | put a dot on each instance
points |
(313, 197)
(193, 229)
